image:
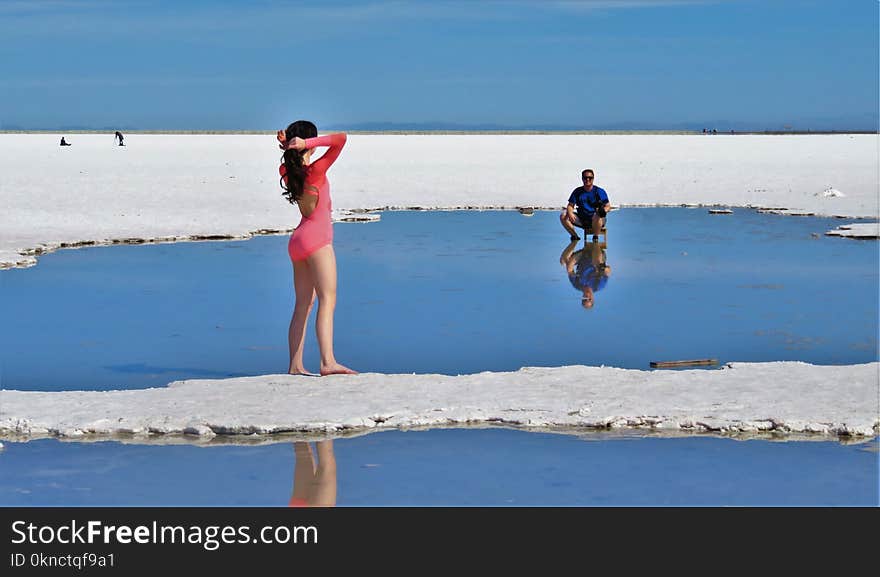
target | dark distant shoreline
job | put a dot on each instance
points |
(459, 132)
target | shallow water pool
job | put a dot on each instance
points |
(452, 293)
(455, 467)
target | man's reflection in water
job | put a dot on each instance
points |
(314, 484)
(586, 269)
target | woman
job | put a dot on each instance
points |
(311, 244)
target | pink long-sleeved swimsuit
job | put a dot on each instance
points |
(316, 230)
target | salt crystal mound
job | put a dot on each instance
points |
(863, 230)
(783, 398)
(164, 188)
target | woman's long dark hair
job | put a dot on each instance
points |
(295, 172)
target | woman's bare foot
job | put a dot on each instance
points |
(336, 369)
(303, 372)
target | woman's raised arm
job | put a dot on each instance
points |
(335, 141)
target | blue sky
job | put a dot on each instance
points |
(603, 64)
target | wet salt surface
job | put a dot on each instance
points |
(470, 467)
(452, 293)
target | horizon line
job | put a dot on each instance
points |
(511, 131)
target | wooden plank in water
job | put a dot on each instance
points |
(689, 363)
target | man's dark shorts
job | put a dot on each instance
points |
(578, 222)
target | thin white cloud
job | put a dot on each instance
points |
(326, 13)
(613, 4)
(42, 7)
(129, 81)
(469, 10)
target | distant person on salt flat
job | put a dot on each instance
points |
(587, 207)
(310, 247)
(64, 142)
(118, 136)
(587, 270)
(314, 484)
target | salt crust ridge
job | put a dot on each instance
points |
(786, 399)
(865, 230)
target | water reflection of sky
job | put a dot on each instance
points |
(471, 467)
(449, 292)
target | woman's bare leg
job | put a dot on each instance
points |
(303, 472)
(324, 489)
(323, 268)
(304, 288)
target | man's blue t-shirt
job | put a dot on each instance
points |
(587, 202)
(588, 275)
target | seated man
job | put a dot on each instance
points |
(592, 206)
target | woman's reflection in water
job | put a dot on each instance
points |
(314, 484)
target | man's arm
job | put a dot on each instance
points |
(606, 205)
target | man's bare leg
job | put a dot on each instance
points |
(598, 223)
(568, 225)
